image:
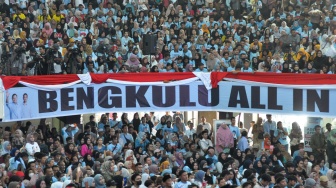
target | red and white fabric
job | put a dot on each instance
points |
(210, 80)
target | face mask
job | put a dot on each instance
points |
(31, 175)
(138, 182)
(192, 180)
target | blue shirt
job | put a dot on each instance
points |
(269, 126)
(100, 150)
(243, 144)
(236, 132)
(15, 110)
(144, 128)
(114, 148)
(283, 138)
(142, 145)
(115, 124)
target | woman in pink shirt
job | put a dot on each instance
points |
(87, 147)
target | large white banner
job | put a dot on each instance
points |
(25, 103)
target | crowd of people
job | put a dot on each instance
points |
(41, 37)
(46, 37)
(164, 152)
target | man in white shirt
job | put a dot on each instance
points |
(205, 143)
(191, 130)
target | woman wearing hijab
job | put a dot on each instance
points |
(31, 146)
(179, 159)
(47, 28)
(133, 61)
(88, 160)
(6, 148)
(99, 181)
(179, 126)
(257, 166)
(199, 178)
(144, 178)
(224, 139)
(130, 153)
(164, 166)
(59, 31)
(136, 121)
(107, 170)
(295, 137)
(188, 164)
(153, 170)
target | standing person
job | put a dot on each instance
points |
(318, 143)
(269, 126)
(281, 135)
(14, 107)
(224, 139)
(26, 111)
(295, 137)
(258, 132)
(69, 131)
(243, 143)
(328, 127)
(206, 125)
(236, 133)
(331, 144)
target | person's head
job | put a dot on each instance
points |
(136, 179)
(183, 175)
(138, 167)
(14, 98)
(281, 182)
(269, 117)
(233, 120)
(317, 129)
(265, 179)
(328, 126)
(167, 180)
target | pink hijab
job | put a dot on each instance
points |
(224, 138)
(48, 31)
(135, 62)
